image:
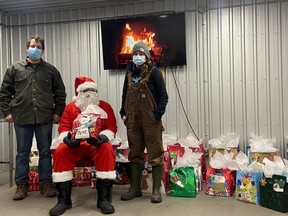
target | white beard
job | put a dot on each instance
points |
(84, 99)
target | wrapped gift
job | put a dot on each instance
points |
(274, 193)
(248, 187)
(82, 176)
(220, 182)
(34, 181)
(183, 182)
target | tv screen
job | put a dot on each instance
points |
(164, 35)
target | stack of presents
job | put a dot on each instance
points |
(259, 177)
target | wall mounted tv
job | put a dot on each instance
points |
(164, 35)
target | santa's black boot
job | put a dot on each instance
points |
(104, 189)
(64, 198)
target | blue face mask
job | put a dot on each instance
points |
(139, 59)
(34, 53)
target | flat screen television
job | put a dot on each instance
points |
(164, 35)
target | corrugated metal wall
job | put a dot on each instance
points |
(235, 80)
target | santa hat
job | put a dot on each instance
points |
(82, 83)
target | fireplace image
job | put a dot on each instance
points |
(164, 36)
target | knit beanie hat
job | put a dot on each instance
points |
(142, 47)
(82, 83)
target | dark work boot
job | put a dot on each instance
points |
(21, 192)
(135, 180)
(104, 189)
(157, 176)
(64, 198)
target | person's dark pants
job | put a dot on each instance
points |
(24, 137)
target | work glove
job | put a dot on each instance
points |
(97, 142)
(71, 142)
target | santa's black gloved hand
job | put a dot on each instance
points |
(96, 142)
(71, 142)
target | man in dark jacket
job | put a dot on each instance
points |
(32, 96)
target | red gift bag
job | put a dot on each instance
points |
(220, 182)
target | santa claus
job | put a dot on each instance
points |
(71, 150)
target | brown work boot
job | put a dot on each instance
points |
(21, 192)
(48, 189)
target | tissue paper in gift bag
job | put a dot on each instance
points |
(248, 187)
(182, 182)
(274, 193)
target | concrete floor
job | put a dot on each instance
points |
(84, 204)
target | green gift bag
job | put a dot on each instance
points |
(183, 182)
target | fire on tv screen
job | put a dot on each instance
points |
(164, 35)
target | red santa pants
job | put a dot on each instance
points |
(65, 158)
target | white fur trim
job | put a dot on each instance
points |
(109, 134)
(86, 85)
(106, 175)
(62, 176)
(56, 142)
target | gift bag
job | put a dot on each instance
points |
(220, 182)
(248, 187)
(201, 149)
(34, 181)
(122, 173)
(274, 193)
(182, 182)
(86, 125)
(82, 176)
(33, 160)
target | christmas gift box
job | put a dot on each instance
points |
(183, 182)
(220, 182)
(82, 176)
(274, 193)
(34, 181)
(248, 186)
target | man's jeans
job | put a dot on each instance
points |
(24, 137)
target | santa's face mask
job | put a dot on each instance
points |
(86, 97)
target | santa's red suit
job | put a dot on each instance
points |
(97, 147)
(103, 156)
